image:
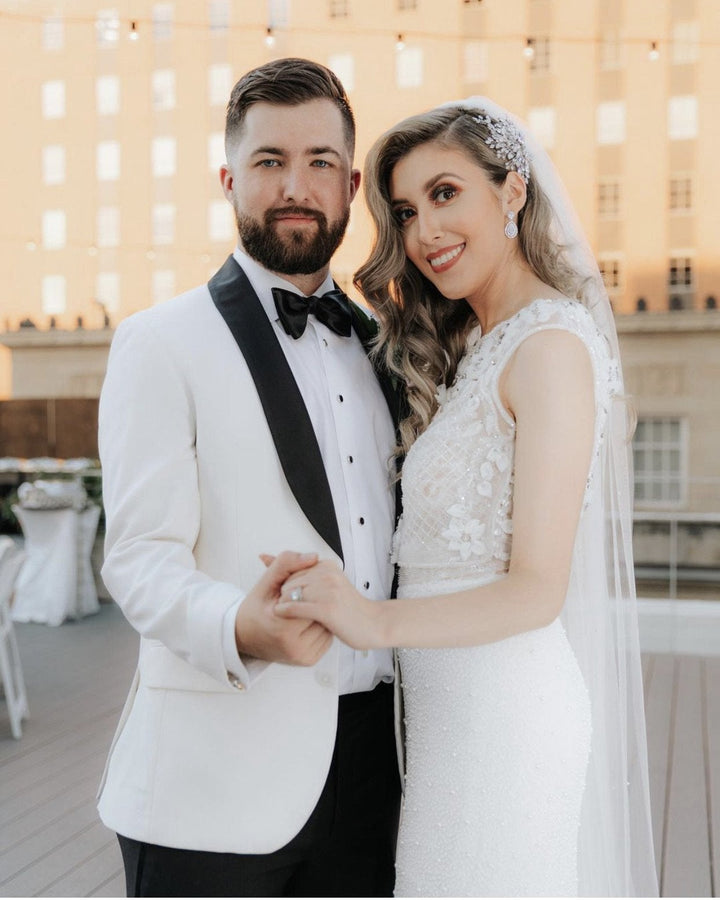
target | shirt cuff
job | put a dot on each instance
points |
(242, 671)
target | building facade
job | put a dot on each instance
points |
(113, 201)
(117, 113)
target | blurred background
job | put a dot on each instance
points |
(114, 117)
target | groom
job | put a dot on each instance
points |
(255, 756)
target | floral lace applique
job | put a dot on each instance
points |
(458, 477)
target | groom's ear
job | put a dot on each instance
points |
(354, 183)
(514, 192)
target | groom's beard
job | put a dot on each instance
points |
(298, 253)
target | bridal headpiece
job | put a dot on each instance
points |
(508, 142)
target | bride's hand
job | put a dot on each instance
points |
(324, 594)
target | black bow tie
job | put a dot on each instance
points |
(332, 309)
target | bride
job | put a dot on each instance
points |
(526, 769)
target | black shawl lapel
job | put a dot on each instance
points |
(285, 411)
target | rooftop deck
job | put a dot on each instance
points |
(53, 844)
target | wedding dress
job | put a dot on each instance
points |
(498, 736)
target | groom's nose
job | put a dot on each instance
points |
(295, 183)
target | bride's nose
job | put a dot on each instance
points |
(429, 226)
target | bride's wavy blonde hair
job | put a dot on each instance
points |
(422, 335)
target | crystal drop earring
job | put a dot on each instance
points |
(511, 229)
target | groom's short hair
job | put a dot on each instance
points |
(287, 82)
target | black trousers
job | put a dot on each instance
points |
(345, 849)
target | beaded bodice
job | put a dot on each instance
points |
(457, 480)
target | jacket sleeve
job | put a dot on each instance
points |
(152, 503)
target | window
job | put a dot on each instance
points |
(540, 60)
(220, 221)
(162, 21)
(108, 226)
(53, 33)
(107, 28)
(343, 65)
(610, 122)
(107, 290)
(53, 164)
(611, 51)
(278, 13)
(339, 9)
(609, 199)
(682, 118)
(216, 150)
(163, 89)
(659, 455)
(219, 15)
(685, 42)
(163, 285)
(163, 154)
(611, 271)
(163, 223)
(53, 229)
(219, 84)
(107, 95)
(476, 61)
(53, 294)
(53, 99)
(541, 121)
(680, 281)
(681, 193)
(108, 161)
(409, 67)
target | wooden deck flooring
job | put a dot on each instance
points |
(52, 843)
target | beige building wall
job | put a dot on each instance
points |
(663, 125)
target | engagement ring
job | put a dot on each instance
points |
(296, 594)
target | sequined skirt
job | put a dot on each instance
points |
(497, 745)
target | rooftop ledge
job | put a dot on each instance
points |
(56, 337)
(678, 320)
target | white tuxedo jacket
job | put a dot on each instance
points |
(209, 458)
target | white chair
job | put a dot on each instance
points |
(87, 595)
(11, 560)
(46, 590)
(57, 581)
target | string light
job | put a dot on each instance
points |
(399, 44)
(269, 37)
(529, 48)
(134, 33)
(654, 53)
(197, 26)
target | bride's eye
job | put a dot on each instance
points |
(403, 214)
(443, 193)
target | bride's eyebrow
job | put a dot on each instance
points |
(429, 184)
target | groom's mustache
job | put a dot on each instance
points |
(272, 214)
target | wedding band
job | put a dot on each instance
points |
(296, 594)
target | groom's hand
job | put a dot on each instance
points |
(263, 635)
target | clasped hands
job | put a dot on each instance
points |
(274, 624)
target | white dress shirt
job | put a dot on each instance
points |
(355, 433)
